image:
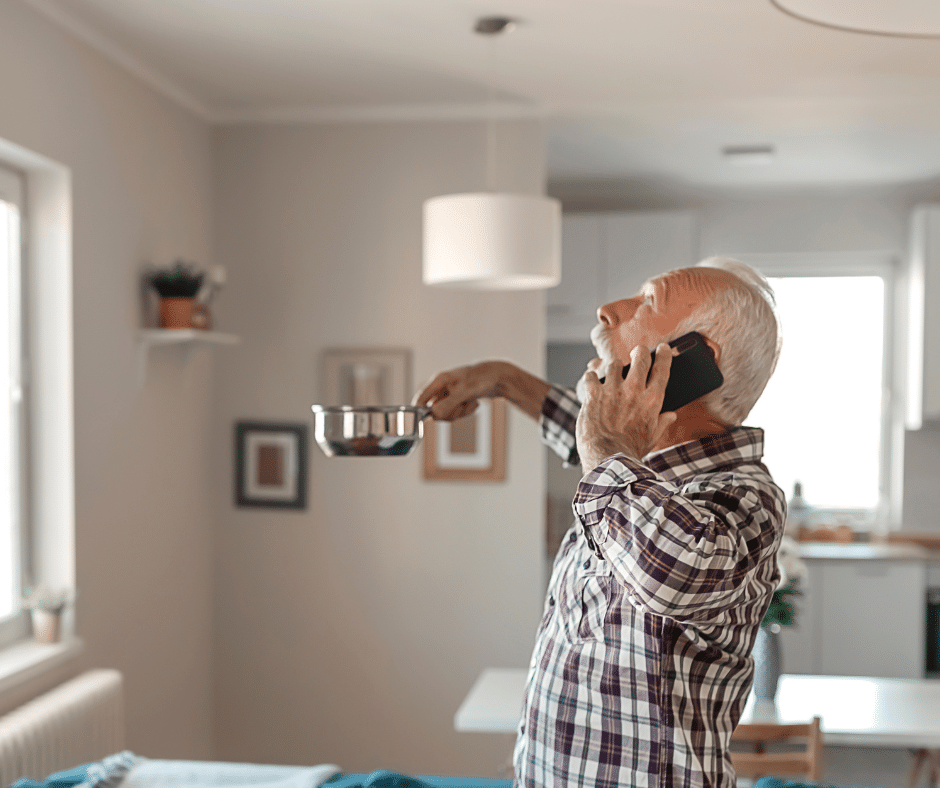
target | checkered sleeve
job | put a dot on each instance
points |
(686, 550)
(559, 416)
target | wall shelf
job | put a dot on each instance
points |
(161, 337)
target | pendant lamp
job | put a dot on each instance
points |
(491, 240)
(899, 18)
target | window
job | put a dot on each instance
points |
(12, 417)
(827, 411)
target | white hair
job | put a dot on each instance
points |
(742, 320)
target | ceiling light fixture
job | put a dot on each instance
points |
(902, 18)
(490, 240)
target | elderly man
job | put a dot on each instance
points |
(642, 663)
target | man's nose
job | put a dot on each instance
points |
(614, 313)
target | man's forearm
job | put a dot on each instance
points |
(522, 389)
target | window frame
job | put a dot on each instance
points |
(886, 265)
(15, 627)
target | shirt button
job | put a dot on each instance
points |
(587, 564)
(574, 537)
(551, 601)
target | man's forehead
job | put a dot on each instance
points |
(696, 279)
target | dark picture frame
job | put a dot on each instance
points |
(271, 465)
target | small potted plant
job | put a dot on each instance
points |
(177, 288)
(46, 605)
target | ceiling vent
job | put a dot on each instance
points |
(749, 155)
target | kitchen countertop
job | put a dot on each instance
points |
(866, 551)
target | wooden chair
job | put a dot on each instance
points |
(930, 758)
(761, 763)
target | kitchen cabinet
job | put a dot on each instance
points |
(799, 644)
(607, 256)
(923, 318)
(862, 617)
(572, 305)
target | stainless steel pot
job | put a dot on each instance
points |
(389, 431)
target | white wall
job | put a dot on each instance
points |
(140, 173)
(351, 631)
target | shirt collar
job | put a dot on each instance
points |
(738, 445)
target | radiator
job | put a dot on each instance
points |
(77, 722)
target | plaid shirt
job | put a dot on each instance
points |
(642, 663)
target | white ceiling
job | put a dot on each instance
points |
(629, 89)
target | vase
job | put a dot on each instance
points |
(176, 312)
(767, 666)
(46, 626)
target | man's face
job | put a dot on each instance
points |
(653, 315)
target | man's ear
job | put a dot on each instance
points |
(715, 348)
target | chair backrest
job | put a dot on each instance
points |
(761, 763)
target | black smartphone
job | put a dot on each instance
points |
(693, 374)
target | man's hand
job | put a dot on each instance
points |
(622, 416)
(457, 392)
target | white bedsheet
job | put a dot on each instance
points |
(199, 774)
(126, 770)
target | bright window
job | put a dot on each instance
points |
(824, 412)
(12, 482)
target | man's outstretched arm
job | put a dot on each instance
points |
(457, 392)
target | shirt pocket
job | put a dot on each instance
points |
(587, 600)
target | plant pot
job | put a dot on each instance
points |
(47, 626)
(176, 312)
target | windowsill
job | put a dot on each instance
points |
(27, 660)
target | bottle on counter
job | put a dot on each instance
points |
(799, 512)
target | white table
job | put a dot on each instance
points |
(858, 712)
(494, 703)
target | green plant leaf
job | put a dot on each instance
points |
(781, 610)
(183, 280)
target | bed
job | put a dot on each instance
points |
(127, 770)
(82, 720)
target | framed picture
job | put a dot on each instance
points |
(271, 465)
(470, 449)
(366, 376)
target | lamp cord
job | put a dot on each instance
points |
(490, 114)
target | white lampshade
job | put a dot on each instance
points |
(492, 241)
(914, 18)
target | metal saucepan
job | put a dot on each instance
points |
(374, 431)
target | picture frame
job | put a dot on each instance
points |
(469, 449)
(271, 465)
(366, 376)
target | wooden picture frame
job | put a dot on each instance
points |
(271, 465)
(471, 449)
(366, 376)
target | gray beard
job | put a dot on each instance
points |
(579, 389)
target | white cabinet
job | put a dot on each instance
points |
(859, 618)
(923, 318)
(607, 256)
(872, 619)
(799, 644)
